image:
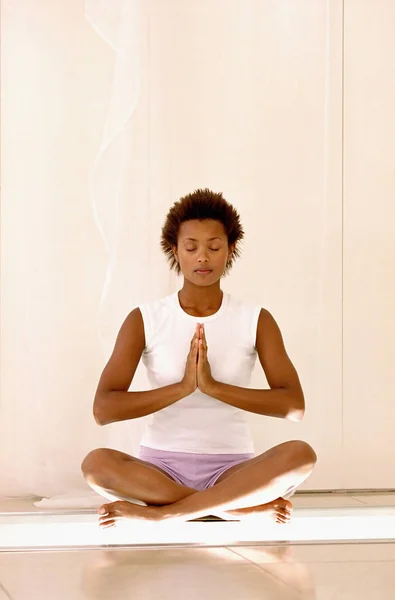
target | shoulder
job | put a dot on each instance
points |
(267, 328)
(265, 315)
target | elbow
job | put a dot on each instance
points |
(98, 419)
(98, 412)
(295, 414)
(296, 409)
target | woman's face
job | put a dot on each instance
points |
(202, 245)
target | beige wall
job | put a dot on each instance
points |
(369, 244)
(246, 98)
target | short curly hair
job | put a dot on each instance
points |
(201, 204)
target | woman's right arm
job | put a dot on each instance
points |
(113, 402)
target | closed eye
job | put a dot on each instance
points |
(213, 249)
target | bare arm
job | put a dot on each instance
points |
(122, 406)
(271, 403)
(113, 402)
(285, 399)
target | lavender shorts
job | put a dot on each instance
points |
(197, 471)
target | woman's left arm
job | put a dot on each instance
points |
(285, 399)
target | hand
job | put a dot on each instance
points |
(205, 380)
(189, 381)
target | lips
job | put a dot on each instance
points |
(203, 271)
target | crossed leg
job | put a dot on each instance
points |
(116, 475)
(258, 482)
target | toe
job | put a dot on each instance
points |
(284, 506)
(107, 524)
(104, 509)
(282, 515)
(281, 519)
(105, 521)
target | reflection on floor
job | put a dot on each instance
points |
(246, 572)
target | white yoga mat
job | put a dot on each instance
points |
(76, 501)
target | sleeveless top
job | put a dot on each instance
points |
(199, 423)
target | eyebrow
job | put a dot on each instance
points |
(193, 239)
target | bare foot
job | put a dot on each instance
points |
(280, 510)
(113, 512)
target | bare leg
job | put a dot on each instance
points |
(119, 476)
(257, 483)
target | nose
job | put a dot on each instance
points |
(202, 256)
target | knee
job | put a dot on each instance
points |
(302, 452)
(95, 463)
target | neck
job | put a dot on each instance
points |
(200, 298)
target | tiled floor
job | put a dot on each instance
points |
(282, 572)
(338, 500)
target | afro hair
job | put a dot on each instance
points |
(201, 204)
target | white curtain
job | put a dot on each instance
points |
(118, 23)
(111, 112)
(47, 464)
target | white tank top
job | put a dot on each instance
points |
(199, 423)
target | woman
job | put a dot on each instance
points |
(197, 455)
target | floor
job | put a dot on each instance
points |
(259, 571)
